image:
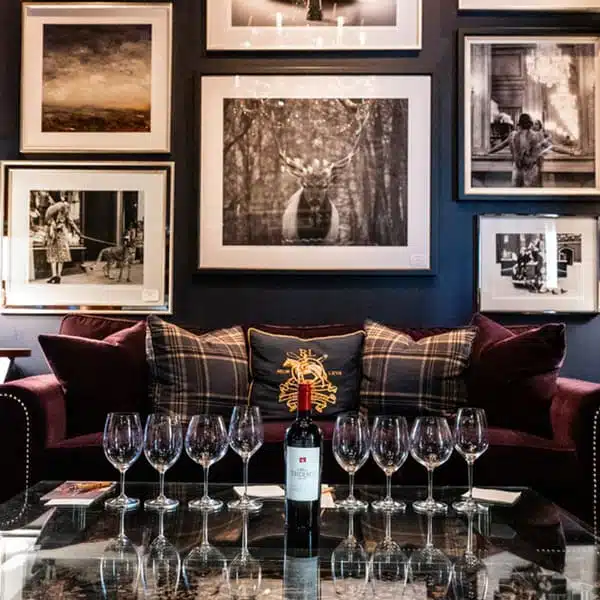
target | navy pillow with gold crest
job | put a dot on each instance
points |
(278, 363)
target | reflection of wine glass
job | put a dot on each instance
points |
(119, 565)
(429, 570)
(351, 449)
(245, 572)
(388, 566)
(162, 563)
(204, 568)
(470, 573)
(349, 565)
(431, 446)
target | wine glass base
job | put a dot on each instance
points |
(165, 504)
(466, 507)
(249, 505)
(206, 504)
(351, 504)
(425, 507)
(120, 503)
(388, 505)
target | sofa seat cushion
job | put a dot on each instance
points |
(275, 430)
(521, 439)
(88, 440)
(407, 377)
(278, 363)
(99, 376)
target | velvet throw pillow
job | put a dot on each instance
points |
(193, 374)
(513, 376)
(331, 363)
(406, 377)
(99, 376)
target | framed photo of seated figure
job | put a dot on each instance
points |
(298, 171)
(530, 5)
(528, 115)
(538, 264)
(87, 237)
(314, 25)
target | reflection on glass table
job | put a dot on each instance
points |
(470, 573)
(245, 572)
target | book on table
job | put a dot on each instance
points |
(78, 493)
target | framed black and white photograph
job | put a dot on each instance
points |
(314, 25)
(93, 237)
(529, 114)
(96, 77)
(538, 263)
(316, 173)
(530, 5)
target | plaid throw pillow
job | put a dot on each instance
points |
(407, 377)
(192, 374)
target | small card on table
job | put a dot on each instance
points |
(78, 493)
(277, 491)
(494, 496)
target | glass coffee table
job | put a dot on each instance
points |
(530, 550)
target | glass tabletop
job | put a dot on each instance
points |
(532, 549)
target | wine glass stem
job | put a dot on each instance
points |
(351, 494)
(469, 535)
(388, 488)
(351, 525)
(161, 525)
(388, 526)
(122, 495)
(204, 542)
(430, 485)
(121, 535)
(244, 534)
(161, 482)
(429, 541)
(470, 479)
(206, 481)
(246, 461)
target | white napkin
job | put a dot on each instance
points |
(277, 491)
(494, 496)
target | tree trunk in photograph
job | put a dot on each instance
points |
(584, 61)
(314, 12)
(481, 93)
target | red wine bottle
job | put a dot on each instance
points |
(303, 449)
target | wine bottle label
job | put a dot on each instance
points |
(301, 578)
(302, 473)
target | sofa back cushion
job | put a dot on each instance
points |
(414, 377)
(99, 376)
(193, 374)
(513, 376)
(94, 327)
(279, 362)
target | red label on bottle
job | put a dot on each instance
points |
(302, 459)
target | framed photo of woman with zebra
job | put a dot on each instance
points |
(318, 173)
(91, 237)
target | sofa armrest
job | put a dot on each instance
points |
(33, 416)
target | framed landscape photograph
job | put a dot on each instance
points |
(529, 111)
(96, 77)
(316, 173)
(538, 263)
(314, 25)
(524, 5)
(91, 237)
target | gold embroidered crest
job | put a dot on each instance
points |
(307, 367)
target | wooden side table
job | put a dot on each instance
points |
(7, 356)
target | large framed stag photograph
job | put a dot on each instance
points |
(538, 263)
(530, 5)
(313, 25)
(89, 237)
(96, 77)
(529, 111)
(314, 172)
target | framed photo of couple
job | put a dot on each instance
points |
(529, 106)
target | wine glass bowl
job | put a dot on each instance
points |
(431, 446)
(206, 443)
(204, 571)
(122, 441)
(162, 568)
(163, 443)
(388, 570)
(390, 445)
(351, 449)
(350, 569)
(119, 568)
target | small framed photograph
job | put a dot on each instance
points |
(314, 25)
(89, 237)
(316, 173)
(538, 264)
(96, 77)
(528, 109)
(530, 5)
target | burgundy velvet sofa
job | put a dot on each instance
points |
(34, 430)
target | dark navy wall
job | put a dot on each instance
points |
(216, 299)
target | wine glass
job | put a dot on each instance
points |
(119, 565)
(388, 565)
(162, 564)
(431, 446)
(206, 443)
(122, 441)
(470, 573)
(351, 449)
(204, 568)
(471, 441)
(246, 436)
(349, 565)
(245, 572)
(390, 444)
(163, 443)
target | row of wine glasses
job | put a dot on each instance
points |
(430, 443)
(206, 442)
